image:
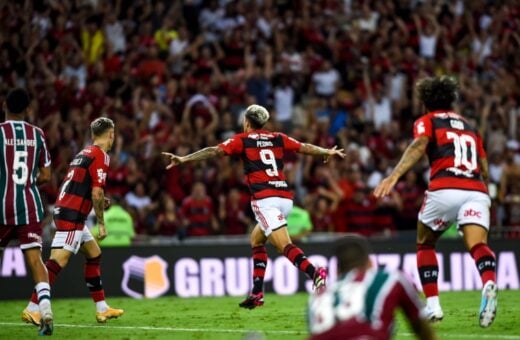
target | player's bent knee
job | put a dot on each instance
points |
(60, 256)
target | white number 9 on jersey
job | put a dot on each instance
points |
(267, 157)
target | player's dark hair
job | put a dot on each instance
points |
(352, 252)
(439, 93)
(17, 101)
(101, 125)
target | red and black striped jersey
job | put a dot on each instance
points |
(86, 171)
(24, 152)
(454, 150)
(262, 153)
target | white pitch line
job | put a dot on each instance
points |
(224, 330)
(169, 329)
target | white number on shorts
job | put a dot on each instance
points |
(68, 178)
(461, 144)
(19, 164)
(267, 157)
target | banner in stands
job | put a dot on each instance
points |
(217, 270)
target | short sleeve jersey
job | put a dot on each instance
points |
(262, 153)
(86, 171)
(454, 151)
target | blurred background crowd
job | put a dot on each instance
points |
(176, 76)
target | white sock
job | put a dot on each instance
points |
(33, 307)
(101, 306)
(43, 290)
(433, 302)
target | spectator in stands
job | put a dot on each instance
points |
(198, 213)
(79, 59)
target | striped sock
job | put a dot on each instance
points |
(53, 268)
(93, 279)
(485, 261)
(298, 258)
(428, 268)
(43, 290)
(260, 265)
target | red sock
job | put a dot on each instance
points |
(428, 269)
(93, 279)
(260, 265)
(53, 268)
(298, 258)
(485, 261)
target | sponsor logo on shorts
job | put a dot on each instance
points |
(439, 222)
(472, 213)
(280, 217)
(35, 237)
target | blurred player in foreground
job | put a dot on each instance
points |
(363, 302)
(82, 189)
(25, 163)
(262, 153)
(457, 191)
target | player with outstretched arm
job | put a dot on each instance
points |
(82, 190)
(457, 191)
(262, 153)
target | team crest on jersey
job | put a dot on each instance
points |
(145, 277)
(102, 176)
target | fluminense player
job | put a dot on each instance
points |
(457, 191)
(262, 153)
(24, 162)
(82, 190)
(363, 302)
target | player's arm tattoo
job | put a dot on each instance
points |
(209, 152)
(311, 149)
(412, 155)
(98, 201)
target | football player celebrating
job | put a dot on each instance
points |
(457, 191)
(263, 152)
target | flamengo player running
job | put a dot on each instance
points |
(24, 162)
(81, 190)
(262, 153)
(457, 191)
(363, 302)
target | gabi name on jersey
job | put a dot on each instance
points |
(22, 142)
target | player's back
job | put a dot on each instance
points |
(455, 150)
(263, 153)
(87, 169)
(24, 152)
(362, 305)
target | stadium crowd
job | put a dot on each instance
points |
(176, 75)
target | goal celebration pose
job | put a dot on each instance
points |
(262, 153)
(82, 189)
(457, 191)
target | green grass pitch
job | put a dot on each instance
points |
(282, 317)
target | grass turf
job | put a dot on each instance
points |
(282, 317)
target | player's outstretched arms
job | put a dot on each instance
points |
(412, 155)
(209, 152)
(314, 150)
